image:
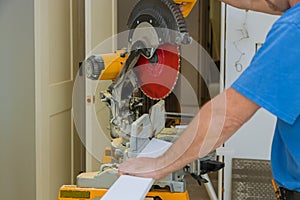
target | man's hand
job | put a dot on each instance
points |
(142, 167)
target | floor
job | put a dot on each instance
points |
(198, 192)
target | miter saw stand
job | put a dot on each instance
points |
(130, 128)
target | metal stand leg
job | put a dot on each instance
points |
(209, 188)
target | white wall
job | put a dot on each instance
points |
(17, 104)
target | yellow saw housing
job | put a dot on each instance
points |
(187, 6)
(113, 64)
(71, 192)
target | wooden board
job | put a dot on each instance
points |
(136, 188)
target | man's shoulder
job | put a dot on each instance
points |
(291, 16)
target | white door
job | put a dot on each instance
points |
(101, 25)
(54, 83)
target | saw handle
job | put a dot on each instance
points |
(186, 6)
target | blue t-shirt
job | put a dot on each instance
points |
(273, 82)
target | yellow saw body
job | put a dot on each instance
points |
(113, 64)
(187, 6)
(71, 192)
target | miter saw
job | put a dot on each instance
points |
(149, 66)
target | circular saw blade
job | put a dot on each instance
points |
(158, 75)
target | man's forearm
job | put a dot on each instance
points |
(214, 124)
(256, 5)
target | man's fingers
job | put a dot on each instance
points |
(122, 173)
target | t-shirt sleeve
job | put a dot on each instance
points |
(273, 78)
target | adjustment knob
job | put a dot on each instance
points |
(93, 67)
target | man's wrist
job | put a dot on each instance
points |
(163, 168)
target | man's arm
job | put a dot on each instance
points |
(256, 5)
(217, 121)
